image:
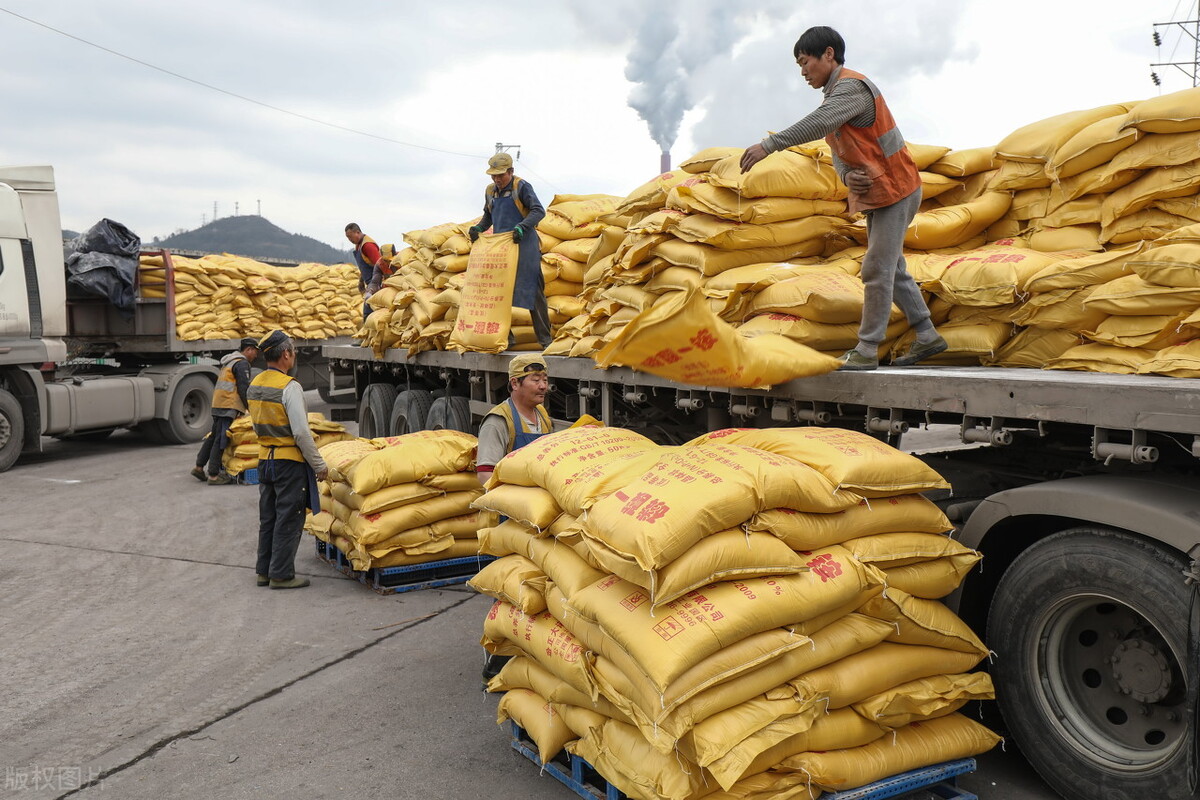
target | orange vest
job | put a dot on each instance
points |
(879, 150)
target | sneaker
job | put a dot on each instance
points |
(919, 352)
(261, 580)
(198, 474)
(220, 479)
(291, 583)
(852, 361)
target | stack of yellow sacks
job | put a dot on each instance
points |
(228, 297)
(241, 453)
(755, 609)
(400, 500)
(1028, 252)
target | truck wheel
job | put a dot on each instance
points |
(410, 411)
(450, 413)
(373, 410)
(12, 430)
(189, 415)
(1090, 630)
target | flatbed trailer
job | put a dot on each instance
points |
(1081, 489)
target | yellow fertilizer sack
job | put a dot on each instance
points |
(341, 456)
(529, 505)
(509, 631)
(849, 460)
(730, 235)
(485, 314)
(513, 579)
(951, 226)
(652, 195)
(1033, 348)
(681, 339)
(696, 491)
(523, 672)
(664, 722)
(817, 335)
(412, 457)
(1169, 113)
(961, 163)
(1176, 264)
(1063, 309)
(836, 730)
(1179, 180)
(1180, 361)
(917, 745)
(819, 294)
(705, 198)
(781, 174)
(922, 622)
(560, 562)
(1040, 141)
(806, 531)
(1152, 332)
(1092, 146)
(883, 666)
(1094, 357)
(383, 526)
(724, 556)
(539, 719)
(710, 261)
(687, 630)
(629, 763)
(1132, 296)
(925, 698)
(1084, 270)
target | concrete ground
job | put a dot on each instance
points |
(139, 653)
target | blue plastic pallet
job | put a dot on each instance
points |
(248, 477)
(409, 578)
(582, 778)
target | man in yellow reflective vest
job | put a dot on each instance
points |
(289, 464)
(518, 420)
(510, 426)
(228, 403)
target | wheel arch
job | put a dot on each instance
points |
(1160, 508)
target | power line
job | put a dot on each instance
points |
(235, 94)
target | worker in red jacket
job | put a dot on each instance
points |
(367, 256)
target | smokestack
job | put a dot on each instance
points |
(664, 163)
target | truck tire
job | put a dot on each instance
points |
(410, 411)
(450, 413)
(12, 430)
(374, 410)
(189, 415)
(1090, 630)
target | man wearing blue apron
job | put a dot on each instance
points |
(510, 426)
(510, 204)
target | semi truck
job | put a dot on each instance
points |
(81, 368)
(1081, 489)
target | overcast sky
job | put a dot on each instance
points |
(155, 151)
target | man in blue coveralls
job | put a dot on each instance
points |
(510, 204)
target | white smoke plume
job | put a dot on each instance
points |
(672, 44)
(734, 65)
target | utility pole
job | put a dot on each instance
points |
(235, 208)
(1189, 28)
(504, 148)
(259, 207)
(214, 210)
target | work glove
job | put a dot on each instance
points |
(473, 232)
(518, 234)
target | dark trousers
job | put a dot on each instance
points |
(282, 500)
(530, 289)
(209, 453)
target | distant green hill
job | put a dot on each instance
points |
(256, 237)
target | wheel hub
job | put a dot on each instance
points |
(1141, 671)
